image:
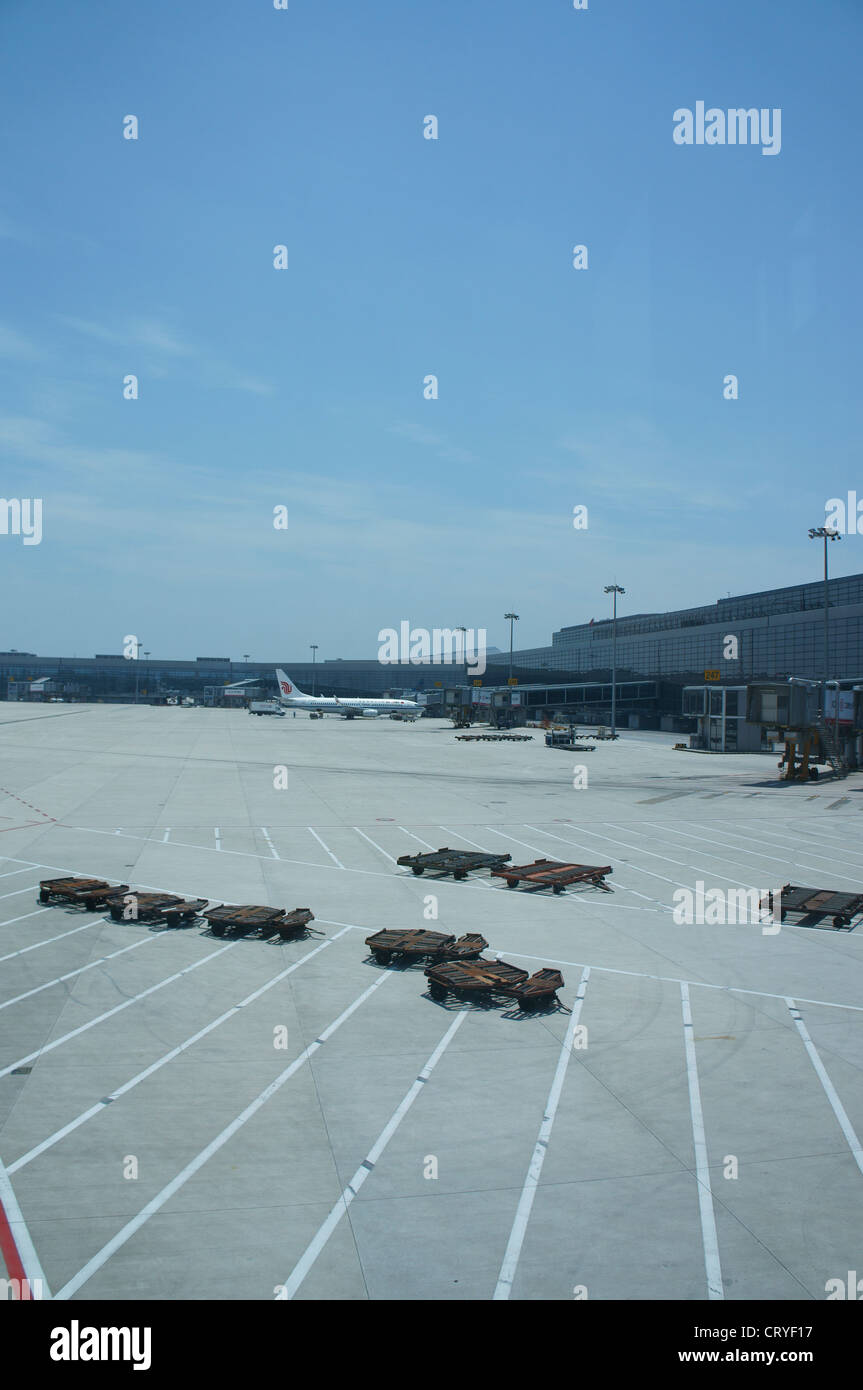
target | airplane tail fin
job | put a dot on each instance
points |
(286, 685)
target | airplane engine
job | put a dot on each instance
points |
(370, 714)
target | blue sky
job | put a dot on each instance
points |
(407, 257)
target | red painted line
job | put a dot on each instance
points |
(28, 804)
(14, 1267)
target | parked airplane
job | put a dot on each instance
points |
(348, 706)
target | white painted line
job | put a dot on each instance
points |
(720, 844)
(829, 1090)
(371, 842)
(519, 1226)
(816, 834)
(167, 1057)
(48, 940)
(318, 1241)
(118, 1008)
(732, 850)
(795, 861)
(167, 835)
(218, 837)
(266, 834)
(326, 847)
(32, 889)
(213, 1147)
(709, 1238)
(512, 839)
(405, 831)
(626, 845)
(477, 882)
(38, 913)
(459, 836)
(21, 1237)
(623, 887)
(209, 849)
(833, 854)
(652, 833)
(17, 871)
(7, 1003)
(695, 868)
(675, 980)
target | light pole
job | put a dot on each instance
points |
(828, 534)
(513, 618)
(314, 647)
(463, 630)
(463, 649)
(614, 589)
(137, 654)
(147, 672)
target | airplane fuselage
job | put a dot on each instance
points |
(292, 698)
(332, 704)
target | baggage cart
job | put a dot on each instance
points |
(554, 874)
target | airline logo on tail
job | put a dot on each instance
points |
(286, 685)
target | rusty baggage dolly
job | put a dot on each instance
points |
(489, 977)
(89, 893)
(153, 907)
(293, 923)
(242, 919)
(817, 903)
(457, 862)
(552, 873)
(415, 944)
(495, 738)
(185, 912)
(248, 918)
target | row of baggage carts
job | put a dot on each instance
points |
(456, 966)
(453, 965)
(123, 904)
(555, 874)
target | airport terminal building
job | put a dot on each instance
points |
(779, 633)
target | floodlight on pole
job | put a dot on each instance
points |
(825, 533)
(463, 649)
(513, 618)
(314, 648)
(614, 589)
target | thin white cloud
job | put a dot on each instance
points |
(631, 460)
(160, 338)
(37, 442)
(152, 334)
(93, 330)
(418, 434)
(14, 345)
